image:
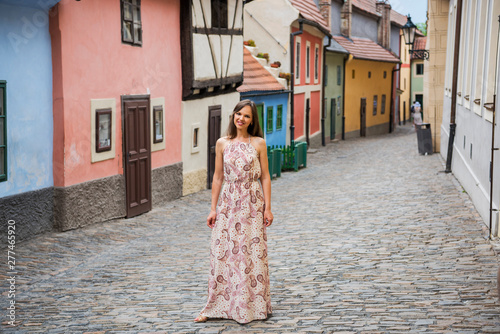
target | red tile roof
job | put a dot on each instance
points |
(363, 48)
(398, 18)
(256, 77)
(309, 11)
(370, 6)
(366, 6)
(419, 43)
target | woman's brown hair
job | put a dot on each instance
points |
(254, 127)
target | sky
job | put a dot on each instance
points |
(416, 8)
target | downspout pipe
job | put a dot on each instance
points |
(393, 97)
(343, 97)
(323, 103)
(292, 80)
(453, 111)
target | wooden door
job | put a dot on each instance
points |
(333, 116)
(214, 119)
(308, 116)
(137, 152)
(362, 129)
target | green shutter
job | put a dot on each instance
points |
(260, 112)
(269, 123)
(279, 117)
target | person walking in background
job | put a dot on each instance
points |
(238, 284)
(416, 114)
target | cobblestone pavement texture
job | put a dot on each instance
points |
(369, 238)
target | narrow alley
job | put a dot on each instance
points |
(371, 237)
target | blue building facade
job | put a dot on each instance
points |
(26, 119)
(273, 111)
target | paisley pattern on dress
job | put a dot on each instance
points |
(238, 284)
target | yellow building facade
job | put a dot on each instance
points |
(434, 75)
(405, 98)
(369, 83)
(369, 87)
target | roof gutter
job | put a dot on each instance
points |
(316, 25)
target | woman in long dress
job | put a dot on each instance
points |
(238, 284)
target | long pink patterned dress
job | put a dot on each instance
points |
(238, 284)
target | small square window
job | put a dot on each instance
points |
(279, 117)
(103, 130)
(195, 137)
(219, 13)
(420, 69)
(158, 124)
(385, 74)
(353, 74)
(269, 120)
(369, 74)
(131, 22)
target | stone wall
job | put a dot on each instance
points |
(33, 213)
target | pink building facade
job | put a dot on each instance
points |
(117, 108)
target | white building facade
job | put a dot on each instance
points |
(477, 86)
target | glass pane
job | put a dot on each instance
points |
(2, 131)
(137, 33)
(127, 31)
(104, 130)
(158, 125)
(195, 137)
(2, 161)
(135, 2)
(1, 100)
(137, 14)
(127, 12)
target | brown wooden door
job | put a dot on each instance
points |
(214, 119)
(362, 129)
(137, 146)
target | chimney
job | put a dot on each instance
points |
(324, 8)
(345, 19)
(384, 24)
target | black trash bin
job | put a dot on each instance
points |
(424, 138)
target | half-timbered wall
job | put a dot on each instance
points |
(212, 52)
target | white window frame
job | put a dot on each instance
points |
(298, 43)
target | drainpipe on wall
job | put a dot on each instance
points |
(343, 99)
(292, 79)
(323, 105)
(393, 97)
(454, 88)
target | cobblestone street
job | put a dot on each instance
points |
(369, 238)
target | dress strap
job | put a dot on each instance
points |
(249, 139)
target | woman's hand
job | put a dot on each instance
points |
(268, 218)
(211, 219)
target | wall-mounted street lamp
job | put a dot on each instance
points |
(409, 30)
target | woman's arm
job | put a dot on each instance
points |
(265, 179)
(217, 181)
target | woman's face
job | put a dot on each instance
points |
(243, 118)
